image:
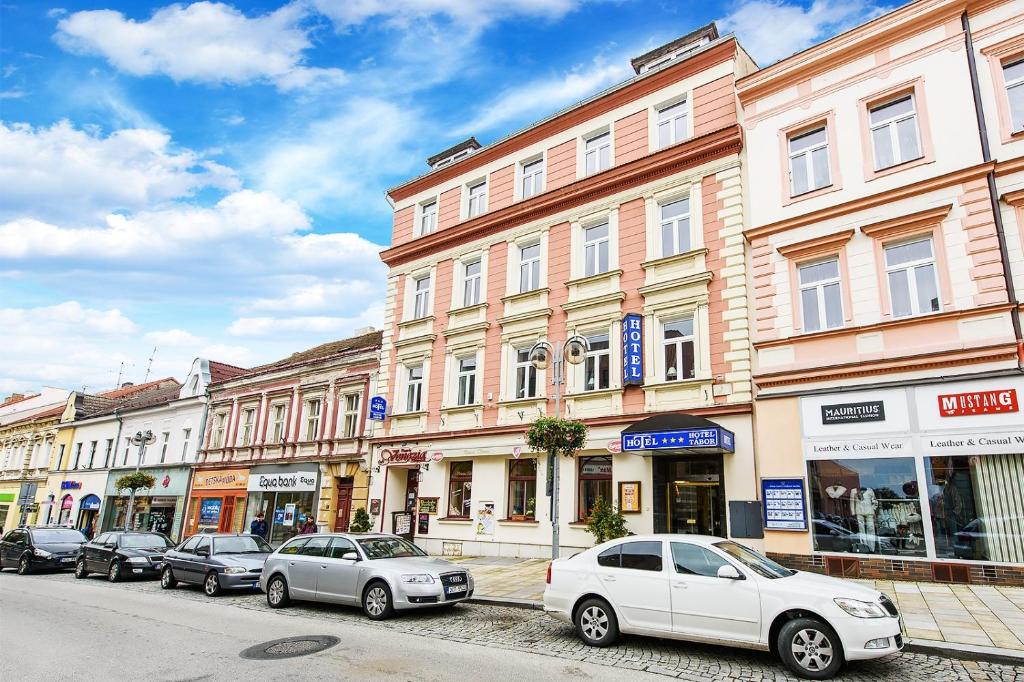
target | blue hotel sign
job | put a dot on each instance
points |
(714, 438)
(378, 408)
(632, 350)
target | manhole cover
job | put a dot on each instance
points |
(290, 647)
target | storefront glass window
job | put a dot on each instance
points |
(595, 482)
(977, 506)
(460, 485)
(522, 488)
(284, 512)
(866, 506)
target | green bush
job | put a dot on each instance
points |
(137, 480)
(606, 522)
(361, 522)
(557, 436)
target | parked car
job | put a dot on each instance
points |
(35, 548)
(382, 573)
(123, 554)
(217, 562)
(708, 589)
(976, 539)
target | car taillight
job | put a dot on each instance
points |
(548, 578)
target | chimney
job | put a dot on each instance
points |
(363, 330)
(14, 397)
(127, 384)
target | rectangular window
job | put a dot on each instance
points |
(821, 295)
(166, 437)
(60, 457)
(471, 283)
(595, 482)
(597, 364)
(350, 427)
(910, 269)
(894, 133)
(92, 454)
(414, 389)
(219, 424)
(277, 434)
(866, 506)
(467, 381)
(808, 161)
(526, 375)
(248, 417)
(522, 489)
(106, 455)
(598, 153)
(421, 300)
(428, 218)
(533, 178)
(128, 442)
(1013, 77)
(477, 200)
(186, 436)
(675, 227)
(678, 344)
(313, 419)
(595, 250)
(529, 268)
(460, 488)
(672, 126)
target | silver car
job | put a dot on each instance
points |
(382, 573)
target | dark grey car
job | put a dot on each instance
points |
(218, 562)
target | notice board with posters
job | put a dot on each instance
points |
(785, 505)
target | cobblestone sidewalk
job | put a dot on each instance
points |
(978, 615)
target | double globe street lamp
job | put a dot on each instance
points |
(141, 439)
(544, 355)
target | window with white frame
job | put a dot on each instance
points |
(672, 124)
(597, 155)
(526, 375)
(186, 436)
(808, 161)
(414, 389)
(533, 178)
(466, 381)
(219, 424)
(313, 418)
(477, 200)
(894, 132)
(106, 455)
(350, 425)
(428, 217)
(164, 442)
(277, 429)
(471, 282)
(92, 454)
(913, 285)
(675, 227)
(127, 444)
(529, 268)
(248, 417)
(597, 364)
(1013, 77)
(821, 295)
(421, 297)
(595, 250)
(678, 346)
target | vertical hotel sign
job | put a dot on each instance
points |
(632, 350)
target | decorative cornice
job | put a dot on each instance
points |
(466, 329)
(1014, 198)
(689, 280)
(812, 247)
(593, 278)
(592, 301)
(422, 338)
(528, 315)
(677, 258)
(525, 294)
(914, 222)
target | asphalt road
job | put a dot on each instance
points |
(53, 627)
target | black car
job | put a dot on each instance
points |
(40, 547)
(123, 554)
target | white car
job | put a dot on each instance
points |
(708, 589)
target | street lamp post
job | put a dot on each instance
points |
(142, 439)
(543, 354)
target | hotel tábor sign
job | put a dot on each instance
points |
(632, 350)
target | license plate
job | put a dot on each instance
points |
(69, 560)
(454, 589)
(158, 565)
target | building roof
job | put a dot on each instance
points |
(16, 398)
(709, 31)
(157, 396)
(365, 341)
(221, 371)
(469, 143)
(133, 389)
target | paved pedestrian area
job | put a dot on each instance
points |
(978, 615)
(529, 630)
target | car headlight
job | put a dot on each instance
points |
(417, 578)
(42, 553)
(861, 609)
(138, 560)
(234, 569)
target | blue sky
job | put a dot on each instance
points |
(208, 178)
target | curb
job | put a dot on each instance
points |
(507, 601)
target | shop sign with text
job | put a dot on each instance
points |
(632, 350)
(838, 449)
(978, 402)
(853, 413)
(224, 479)
(402, 456)
(298, 481)
(973, 443)
(711, 438)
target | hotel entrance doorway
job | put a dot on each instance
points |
(692, 495)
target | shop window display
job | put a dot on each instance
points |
(284, 512)
(866, 506)
(977, 507)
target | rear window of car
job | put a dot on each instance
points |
(189, 546)
(315, 547)
(610, 558)
(642, 555)
(47, 536)
(293, 547)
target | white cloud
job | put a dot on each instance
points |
(205, 42)
(322, 325)
(773, 29)
(12, 94)
(472, 13)
(319, 296)
(173, 337)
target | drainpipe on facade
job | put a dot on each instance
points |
(993, 192)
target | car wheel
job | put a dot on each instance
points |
(114, 572)
(24, 568)
(212, 584)
(810, 648)
(596, 623)
(80, 571)
(277, 593)
(377, 602)
(167, 579)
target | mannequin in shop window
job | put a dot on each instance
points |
(863, 506)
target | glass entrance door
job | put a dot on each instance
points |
(695, 496)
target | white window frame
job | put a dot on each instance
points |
(676, 225)
(664, 343)
(476, 198)
(350, 423)
(220, 422)
(314, 410)
(92, 453)
(163, 446)
(595, 153)
(471, 283)
(465, 381)
(278, 425)
(248, 421)
(522, 371)
(529, 268)
(592, 364)
(805, 156)
(536, 177)
(106, 456)
(421, 297)
(592, 249)
(1010, 85)
(891, 123)
(819, 288)
(426, 220)
(414, 388)
(683, 113)
(186, 436)
(911, 268)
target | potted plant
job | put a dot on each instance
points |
(606, 522)
(361, 522)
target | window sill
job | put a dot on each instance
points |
(417, 413)
(456, 520)
(468, 308)
(827, 189)
(416, 320)
(675, 258)
(685, 383)
(578, 524)
(596, 393)
(905, 165)
(463, 408)
(512, 402)
(593, 278)
(527, 522)
(523, 295)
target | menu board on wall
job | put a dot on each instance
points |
(629, 497)
(785, 507)
(428, 505)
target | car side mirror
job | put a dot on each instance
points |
(110, 545)
(351, 556)
(203, 552)
(729, 572)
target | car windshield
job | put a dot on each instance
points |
(144, 540)
(56, 535)
(240, 545)
(758, 564)
(389, 548)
